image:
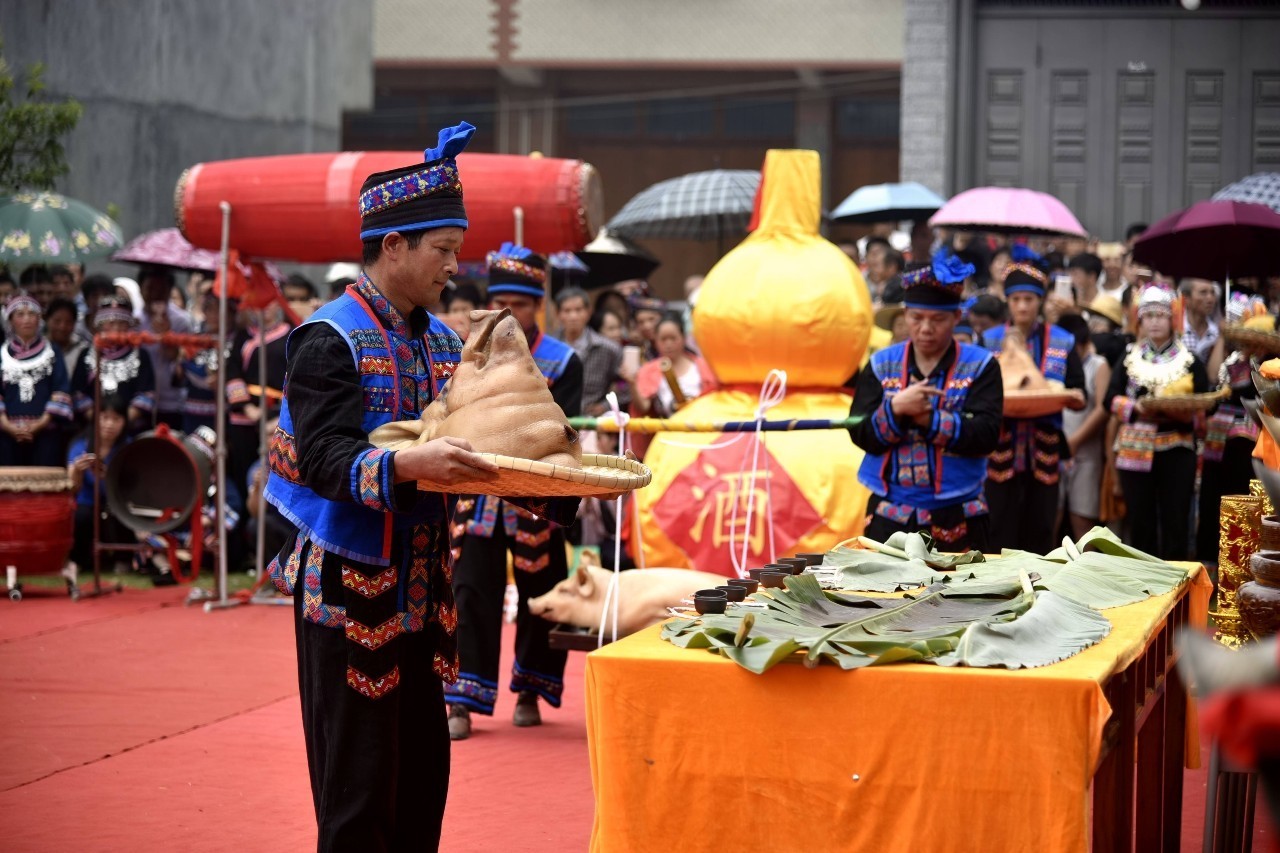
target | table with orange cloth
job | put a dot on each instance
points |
(691, 752)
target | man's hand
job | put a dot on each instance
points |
(916, 401)
(445, 461)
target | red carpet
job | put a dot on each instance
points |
(133, 723)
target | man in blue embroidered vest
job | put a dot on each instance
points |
(369, 567)
(486, 528)
(1022, 475)
(929, 413)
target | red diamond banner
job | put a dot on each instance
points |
(704, 510)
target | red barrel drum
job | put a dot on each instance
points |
(37, 519)
(303, 207)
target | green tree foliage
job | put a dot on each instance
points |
(31, 130)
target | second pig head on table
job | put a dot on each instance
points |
(497, 399)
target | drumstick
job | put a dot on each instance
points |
(271, 393)
(669, 371)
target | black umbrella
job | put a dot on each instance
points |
(699, 206)
(611, 259)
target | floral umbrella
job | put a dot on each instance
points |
(43, 227)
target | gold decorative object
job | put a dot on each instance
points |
(1258, 490)
(1239, 531)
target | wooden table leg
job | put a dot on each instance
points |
(1150, 783)
(1113, 783)
(1175, 733)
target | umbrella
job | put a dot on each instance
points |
(1259, 188)
(888, 203)
(1213, 240)
(43, 227)
(168, 248)
(611, 259)
(567, 262)
(1008, 210)
(698, 206)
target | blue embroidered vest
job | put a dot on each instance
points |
(918, 470)
(552, 356)
(352, 529)
(1049, 348)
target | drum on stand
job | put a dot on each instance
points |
(155, 482)
(37, 523)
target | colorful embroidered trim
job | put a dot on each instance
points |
(431, 180)
(478, 694)
(374, 638)
(369, 587)
(547, 686)
(283, 456)
(515, 267)
(313, 607)
(525, 564)
(378, 365)
(373, 688)
(370, 478)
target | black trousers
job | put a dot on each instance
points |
(1023, 512)
(479, 584)
(379, 767)
(46, 449)
(1159, 503)
(976, 536)
(1228, 476)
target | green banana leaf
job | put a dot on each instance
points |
(796, 625)
(1054, 629)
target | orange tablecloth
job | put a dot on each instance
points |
(690, 752)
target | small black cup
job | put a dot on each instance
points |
(773, 580)
(797, 565)
(705, 604)
(812, 559)
(755, 573)
(749, 584)
(733, 592)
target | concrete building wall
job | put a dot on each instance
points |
(928, 93)
(650, 33)
(169, 83)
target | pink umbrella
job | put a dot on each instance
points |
(168, 248)
(1008, 210)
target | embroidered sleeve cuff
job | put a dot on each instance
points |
(945, 428)
(372, 483)
(59, 406)
(84, 403)
(1123, 408)
(143, 402)
(237, 392)
(883, 422)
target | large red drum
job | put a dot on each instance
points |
(303, 207)
(37, 519)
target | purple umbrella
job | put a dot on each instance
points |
(1214, 240)
(168, 248)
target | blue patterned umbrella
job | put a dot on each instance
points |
(699, 206)
(43, 227)
(1258, 188)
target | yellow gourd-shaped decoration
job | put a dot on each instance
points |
(786, 299)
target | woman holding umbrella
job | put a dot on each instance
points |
(1157, 452)
(34, 391)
